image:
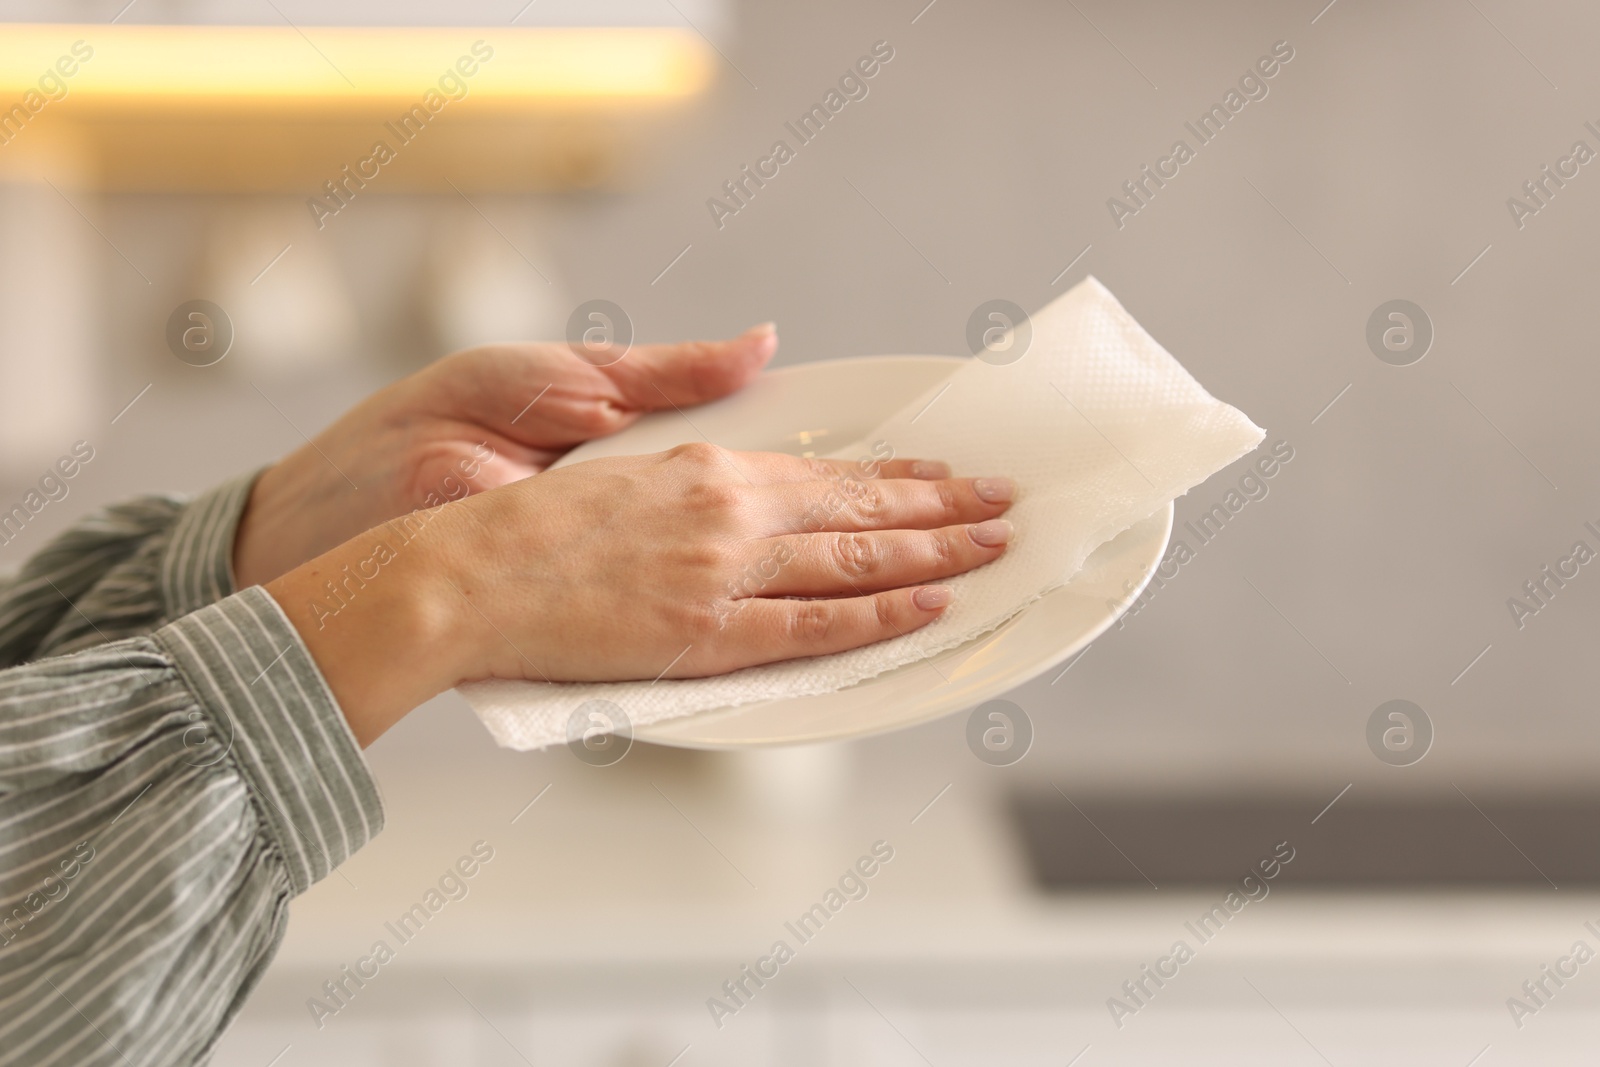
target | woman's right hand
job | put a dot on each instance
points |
(678, 564)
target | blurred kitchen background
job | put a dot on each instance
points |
(1222, 718)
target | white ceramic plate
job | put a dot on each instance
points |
(817, 408)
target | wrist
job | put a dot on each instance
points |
(264, 547)
(298, 508)
(381, 619)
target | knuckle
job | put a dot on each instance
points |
(857, 555)
(602, 420)
(883, 609)
(810, 623)
(942, 549)
(868, 502)
(820, 469)
(949, 503)
(702, 453)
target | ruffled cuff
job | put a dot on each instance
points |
(274, 716)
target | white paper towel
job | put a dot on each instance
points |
(1096, 422)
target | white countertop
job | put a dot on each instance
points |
(625, 896)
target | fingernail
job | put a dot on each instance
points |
(931, 597)
(991, 534)
(930, 468)
(994, 490)
(761, 329)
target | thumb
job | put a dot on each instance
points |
(693, 372)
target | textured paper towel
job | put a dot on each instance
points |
(1099, 426)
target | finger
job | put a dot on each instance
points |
(767, 468)
(538, 397)
(652, 377)
(838, 564)
(891, 504)
(759, 630)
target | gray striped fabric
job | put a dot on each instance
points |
(173, 769)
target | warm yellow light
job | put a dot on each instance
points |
(344, 67)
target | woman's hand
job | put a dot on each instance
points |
(672, 565)
(473, 421)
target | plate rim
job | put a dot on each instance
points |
(652, 733)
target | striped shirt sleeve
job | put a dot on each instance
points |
(123, 571)
(172, 772)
